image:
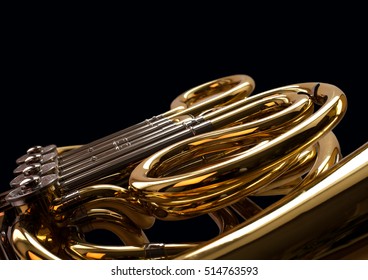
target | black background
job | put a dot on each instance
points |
(74, 79)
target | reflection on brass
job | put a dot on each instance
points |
(218, 152)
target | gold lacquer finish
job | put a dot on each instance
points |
(218, 151)
(309, 223)
(264, 154)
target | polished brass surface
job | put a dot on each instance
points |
(237, 169)
(275, 144)
(309, 223)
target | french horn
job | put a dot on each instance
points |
(219, 152)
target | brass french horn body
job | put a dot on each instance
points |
(217, 153)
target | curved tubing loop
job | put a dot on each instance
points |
(224, 173)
